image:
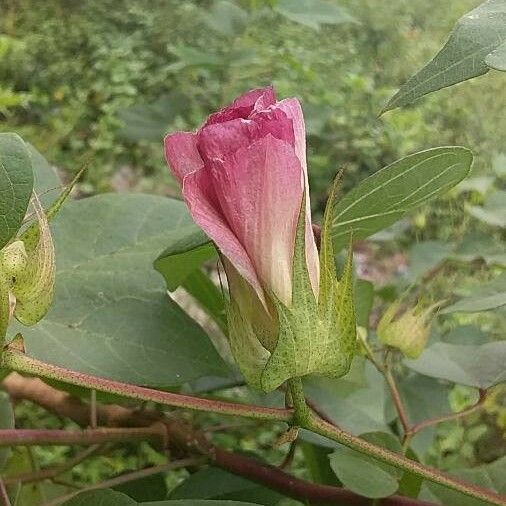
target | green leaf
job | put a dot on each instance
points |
(356, 404)
(386, 196)
(497, 58)
(47, 183)
(483, 246)
(198, 502)
(313, 13)
(424, 256)
(493, 212)
(215, 483)
(149, 488)
(490, 296)
(475, 366)
(16, 185)
(475, 36)
(105, 497)
(226, 18)
(316, 460)
(150, 121)
(208, 295)
(111, 316)
(4, 307)
(189, 248)
(491, 476)
(363, 295)
(364, 475)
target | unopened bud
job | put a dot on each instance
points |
(408, 330)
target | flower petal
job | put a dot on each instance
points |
(291, 107)
(198, 192)
(221, 139)
(260, 188)
(181, 154)
(242, 107)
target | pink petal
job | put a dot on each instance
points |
(218, 140)
(182, 155)
(244, 105)
(291, 107)
(198, 192)
(259, 188)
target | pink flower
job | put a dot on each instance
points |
(243, 176)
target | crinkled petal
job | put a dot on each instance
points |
(242, 107)
(218, 140)
(199, 195)
(260, 189)
(182, 155)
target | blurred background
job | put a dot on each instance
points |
(101, 82)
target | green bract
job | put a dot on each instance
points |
(309, 337)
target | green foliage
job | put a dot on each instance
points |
(16, 184)
(476, 366)
(387, 195)
(475, 45)
(118, 310)
(364, 475)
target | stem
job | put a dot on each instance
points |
(397, 399)
(302, 412)
(20, 362)
(43, 437)
(388, 457)
(452, 416)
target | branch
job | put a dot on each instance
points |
(20, 362)
(43, 437)
(452, 416)
(16, 361)
(184, 441)
(397, 460)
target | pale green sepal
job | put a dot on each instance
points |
(13, 259)
(314, 337)
(250, 355)
(292, 355)
(33, 287)
(30, 236)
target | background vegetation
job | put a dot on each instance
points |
(100, 82)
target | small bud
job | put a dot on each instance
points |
(407, 331)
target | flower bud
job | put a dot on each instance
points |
(407, 330)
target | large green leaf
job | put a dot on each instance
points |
(215, 483)
(47, 184)
(497, 58)
(466, 54)
(365, 475)
(101, 498)
(16, 184)
(386, 196)
(475, 366)
(188, 248)
(313, 13)
(111, 316)
(489, 296)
